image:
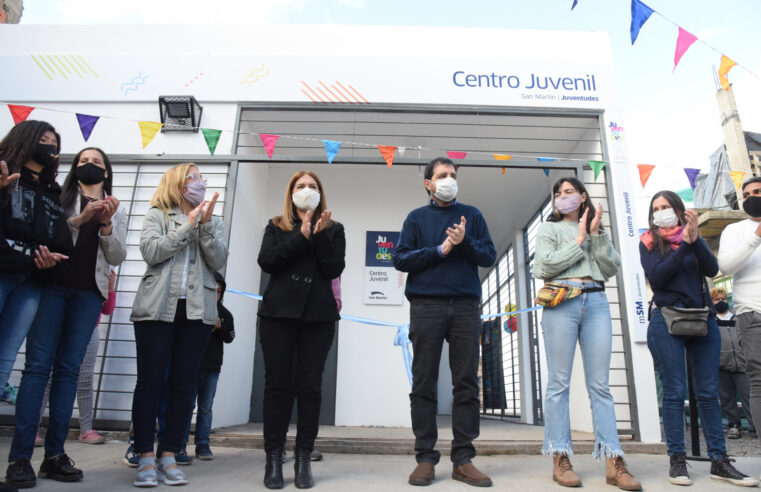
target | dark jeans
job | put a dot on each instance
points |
(180, 346)
(57, 340)
(749, 325)
(205, 391)
(669, 355)
(433, 320)
(19, 297)
(730, 384)
(280, 339)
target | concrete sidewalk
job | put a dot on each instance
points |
(243, 469)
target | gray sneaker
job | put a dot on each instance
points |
(734, 433)
(146, 473)
(170, 476)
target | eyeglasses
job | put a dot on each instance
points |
(196, 178)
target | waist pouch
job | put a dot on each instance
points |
(686, 321)
(553, 294)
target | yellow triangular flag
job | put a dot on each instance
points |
(726, 65)
(148, 130)
(737, 177)
(502, 157)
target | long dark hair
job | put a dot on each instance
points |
(71, 185)
(677, 205)
(587, 205)
(17, 147)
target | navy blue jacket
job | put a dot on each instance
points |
(453, 275)
(679, 276)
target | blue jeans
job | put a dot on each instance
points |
(205, 391)
(57, 340)
(668, 354)
(585, 318)
(19, 298)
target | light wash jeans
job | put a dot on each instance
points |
(585, 318)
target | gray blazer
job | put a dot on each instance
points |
(112, 249)
(164, 243)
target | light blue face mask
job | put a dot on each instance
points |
(196, 192)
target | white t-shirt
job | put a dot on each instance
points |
(725, 316)
(740, 255)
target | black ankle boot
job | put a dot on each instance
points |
(302, 466)
(273, 470)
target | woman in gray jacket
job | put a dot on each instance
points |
(174, 311)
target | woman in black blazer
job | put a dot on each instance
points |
(302, 250)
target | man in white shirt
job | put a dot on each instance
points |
(740, 256)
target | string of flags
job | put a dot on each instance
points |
(640, 13)
(149, 129)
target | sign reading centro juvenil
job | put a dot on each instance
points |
(384, 284)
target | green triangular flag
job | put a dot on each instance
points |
(596, 167)
(687, 194)
(212, 138)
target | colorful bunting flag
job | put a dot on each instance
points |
(148, 130)
(574, 4)
(212, 138)
(401, 150)
(19, 113)
(269, 142)
(86, 124)
(502, 157)
(683, 43)
(503, 170)
(331, 149)
(596, 167)
(546, 171)
(545, 159)
(737, 178)
(726, 65)
(456, 155)
(645, 170)
(387, 151)
(687, 195)
(691, 175)
(640, 14)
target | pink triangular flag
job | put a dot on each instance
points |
(456, 155)
(269, 142)
(683, 43)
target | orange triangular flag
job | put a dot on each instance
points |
(19, 113)
(503, 170)
(502, 157)
(726, 65)
(645, 170)
(148, 130)
(387, 151)
(737, 178)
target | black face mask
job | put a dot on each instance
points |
(90, 174)
(722, 306)
(45, 155)
(752, 206)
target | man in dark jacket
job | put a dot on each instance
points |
(211, 366)
(441, 246)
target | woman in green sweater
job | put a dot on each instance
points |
(573, 250)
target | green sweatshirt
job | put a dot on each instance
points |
(558, 256)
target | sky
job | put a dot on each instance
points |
(671, 119)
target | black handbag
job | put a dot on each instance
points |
(683, 321)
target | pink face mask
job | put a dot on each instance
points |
(196, 192)
(567, 204)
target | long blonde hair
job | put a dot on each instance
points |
(168, 194)
(286, 221)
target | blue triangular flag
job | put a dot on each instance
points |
(331, 149)
(640, 14)
(574, 4)
(86, 124)
(545, 159)
(546, 171)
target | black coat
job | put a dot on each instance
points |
(212, 359)
(301, 271)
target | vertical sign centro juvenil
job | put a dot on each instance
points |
(383, 283)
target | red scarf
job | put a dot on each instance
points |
(672, 235)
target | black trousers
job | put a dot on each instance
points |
(310, 342)
(179, 347)
(433, 320)
(730, 384)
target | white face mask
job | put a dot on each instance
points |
(446, 189)
(306, 199)
(665, 218)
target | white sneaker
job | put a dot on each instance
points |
(171, 476)
(146, 477)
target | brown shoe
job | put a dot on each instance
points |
(617, 474)
(562, 471)
(469, 474)
(423, 474)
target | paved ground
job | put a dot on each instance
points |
(242, 469)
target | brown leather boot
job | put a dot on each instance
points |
(617, 474)
(469, 474)
(423, 474)
(562, 471)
